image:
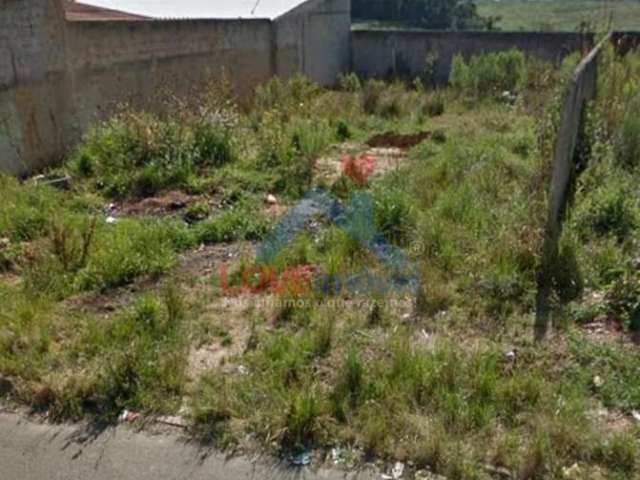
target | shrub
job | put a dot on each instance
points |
(611, 209)
(627, 149)
(348, 391)
(140, 154)
(343, 132)
(394, 214)
(130, 249)
(460, 75)
(291, 150)
(620, 452)
(433, 106)
(286, 97)
(25, 209)
(239, 223)
(302, 418)
(623, 299)
(350, 83)
(372, 95)
(489, 73)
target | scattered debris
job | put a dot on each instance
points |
(598, 381)
(427, 475)
(397, 140)
(574, 472)
(636, 415)
(55, 181)
(168, 201)
(6, 386)
(173, 420)
(302, 459)
(509, 97)
(129, 416)
(111, 220)
(358, 168)
(500, 472)
(242, 370)
(510, 356)
(271, 199)
(602, 412)
(336, 455)
(396, 472)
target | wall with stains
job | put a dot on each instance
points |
(314, 39)
(58, 77)
(144, 63)
(383, 53)
(32, 83)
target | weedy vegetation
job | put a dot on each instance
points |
(139, 287)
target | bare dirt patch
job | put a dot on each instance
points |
(232, 319)
(387, 159)
(397, 140)
(604, 329)
(163, 203)
(204, 259)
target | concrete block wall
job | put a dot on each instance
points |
(314, 39)
(581, 90)
(59, 77)
(381, 53)
(139, 61)
(32, 77)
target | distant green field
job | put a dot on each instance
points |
(562, 15)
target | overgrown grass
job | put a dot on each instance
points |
(607, 212)
(141, 154)
(108, 298)
(489, 74)
(134, 360)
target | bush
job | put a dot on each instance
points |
(130, 249)
(490, 73)
(141, 154)
(240, 223)
(620, 453)
(433, 106)
(350, 83)
(291, 150)
(286, 97)
(25, 209)
(343, 132)
(372, 95)
(394, 214)
(628, 143)
(609, 210)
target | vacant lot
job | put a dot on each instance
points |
(562, 15)
(347, 273)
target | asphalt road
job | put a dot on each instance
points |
(34, 451)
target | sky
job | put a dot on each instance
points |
(200, 8)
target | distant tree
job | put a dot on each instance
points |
(434, 14)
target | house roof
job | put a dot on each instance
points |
(224, 9)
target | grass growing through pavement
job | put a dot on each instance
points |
(115, 292)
